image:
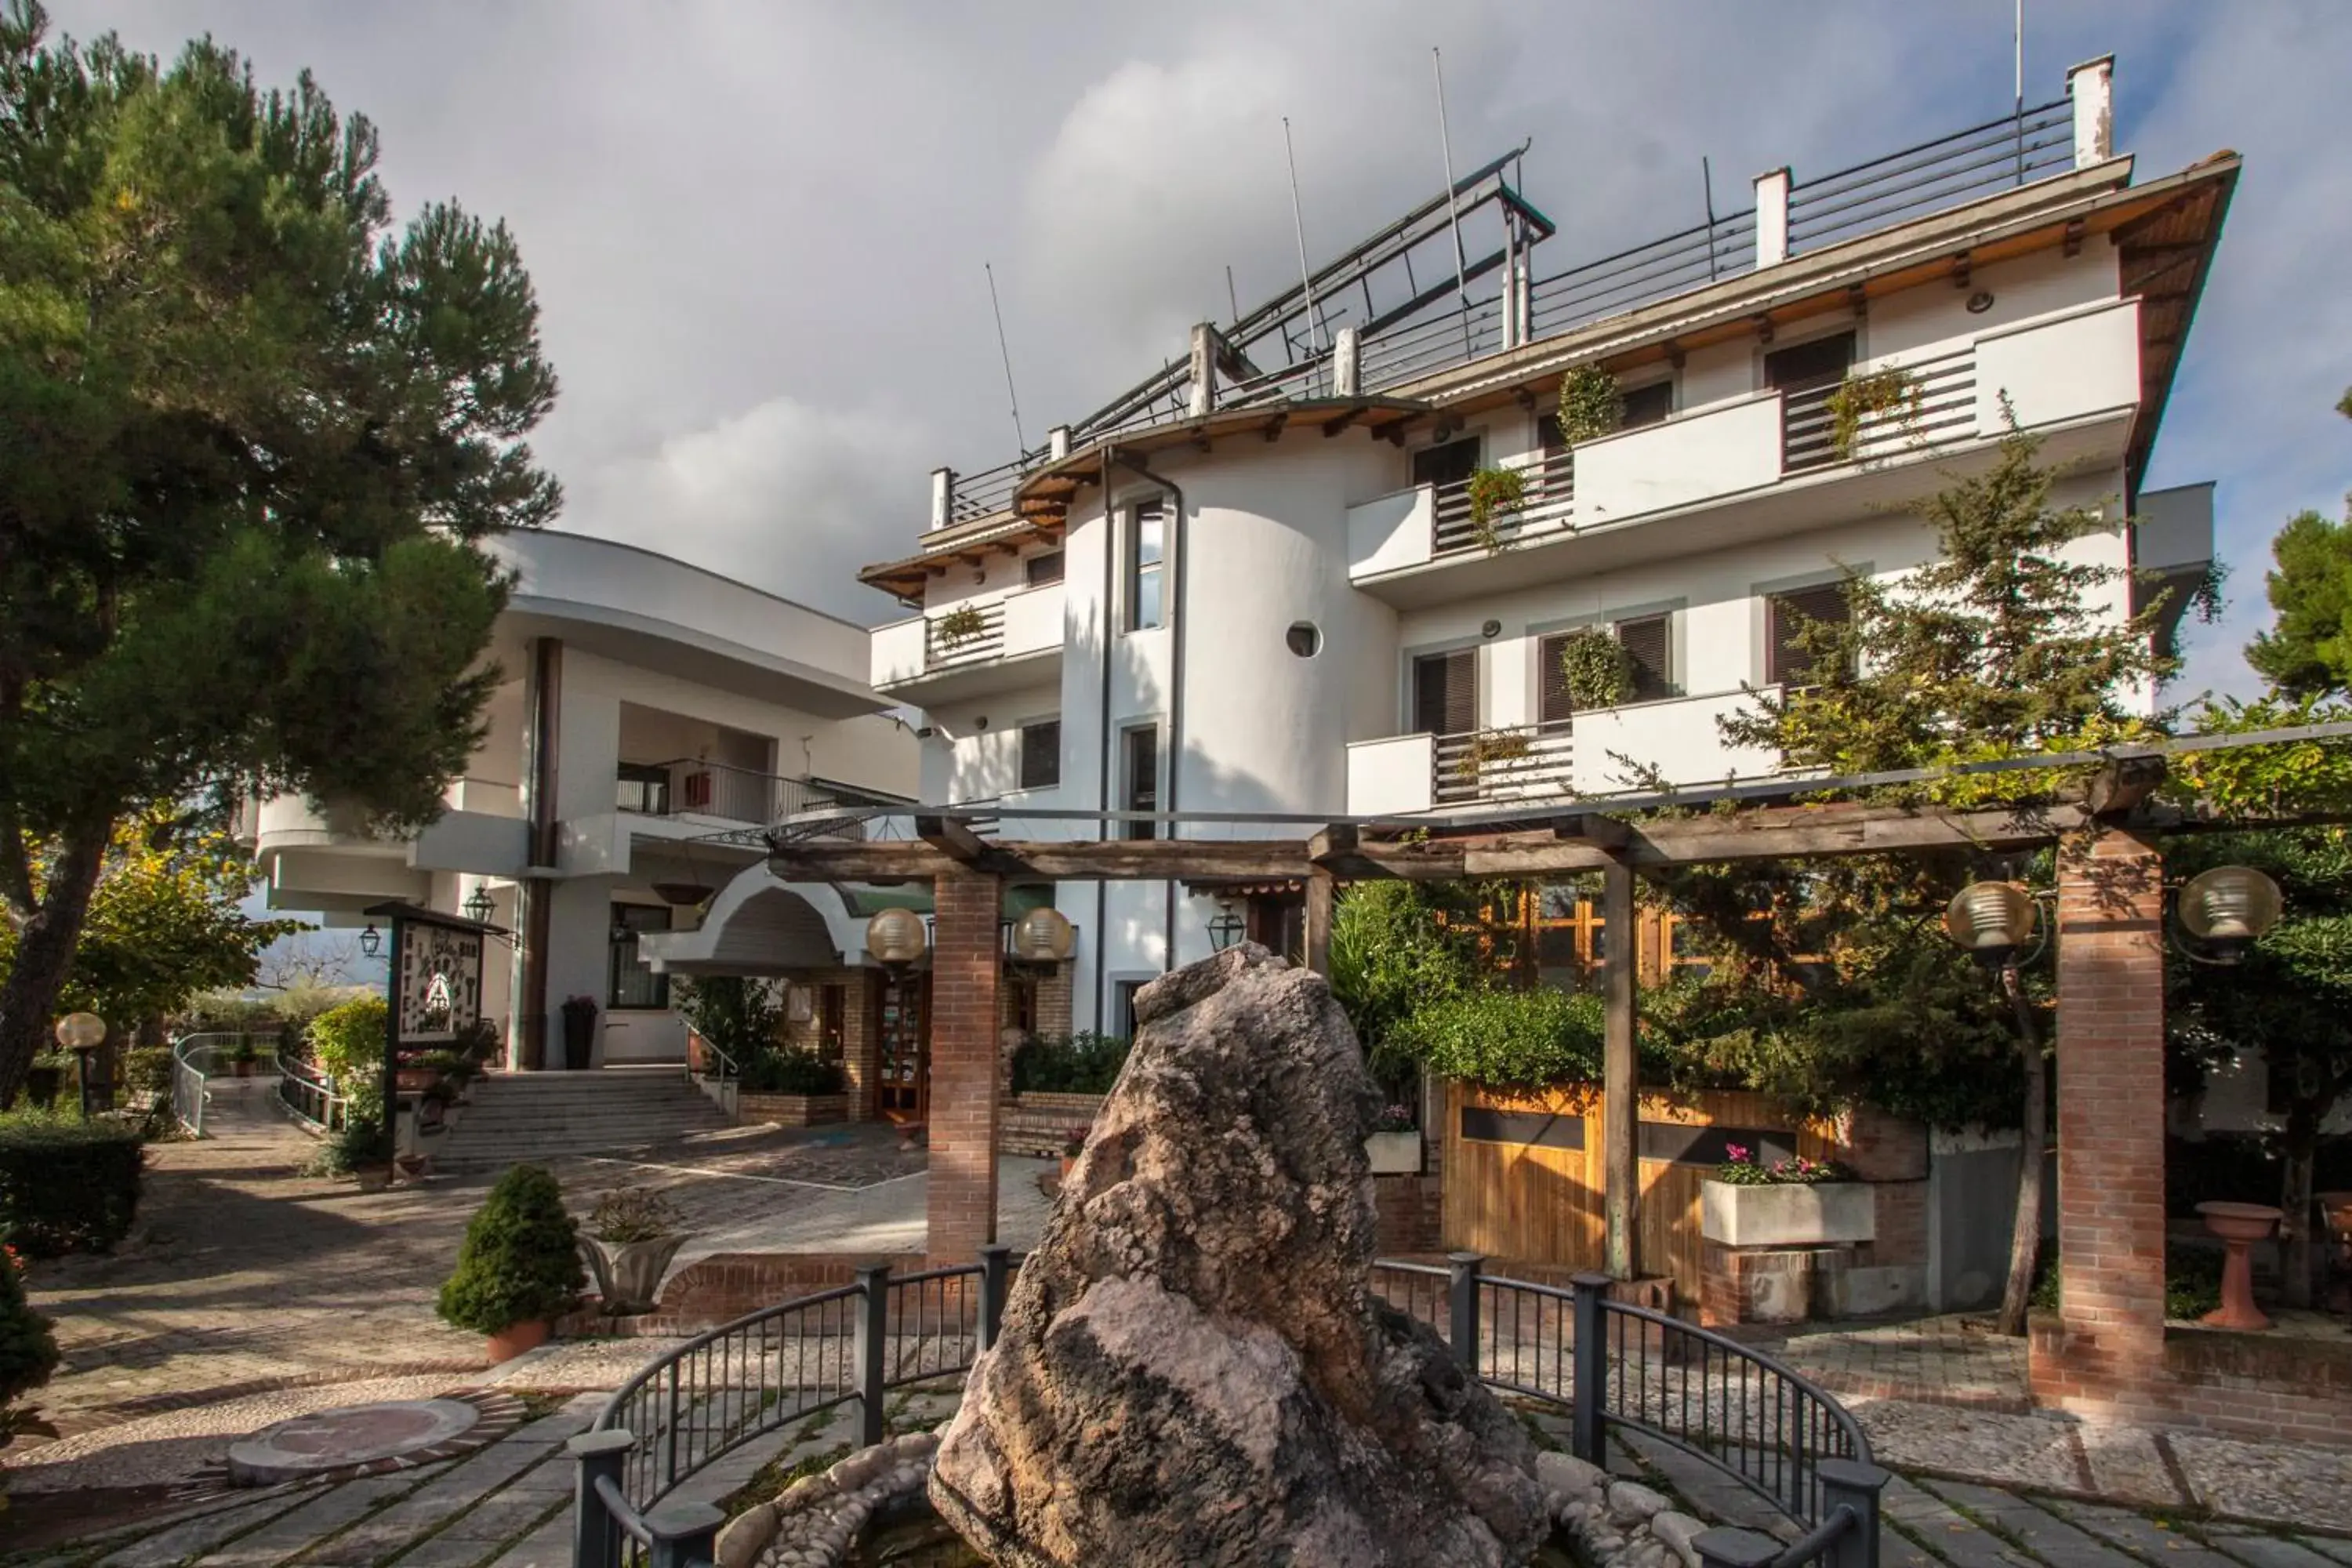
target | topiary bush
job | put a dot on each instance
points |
(519, 1262)
(67, 1184)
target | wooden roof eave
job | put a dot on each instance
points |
(1061, 481)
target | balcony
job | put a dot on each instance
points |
(1755, 465)
(694, 788)
(971, 647)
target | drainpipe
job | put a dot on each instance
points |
(1175, 674)
(537, 892)
(1102, 773)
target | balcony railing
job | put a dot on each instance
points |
(696, 788)
(1512, 763)
(1546, 505)
(969, 634)
(1941, 405)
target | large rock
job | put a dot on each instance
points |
(1193, 1370)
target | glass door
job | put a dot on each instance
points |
(902, 1028)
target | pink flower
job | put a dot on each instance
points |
(1736, 1152)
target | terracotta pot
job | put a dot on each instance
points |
(1068, 1162)
(2239, 1226)
(515, 1339)
(373, 1178)
(629, 1273)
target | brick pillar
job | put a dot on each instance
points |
(966, 964)
(861, 1053)
(2108, 1349)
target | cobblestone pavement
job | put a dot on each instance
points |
(1954, 1359)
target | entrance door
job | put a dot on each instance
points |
(902, 1028)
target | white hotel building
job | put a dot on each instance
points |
(1253, 584)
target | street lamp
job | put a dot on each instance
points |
(371, 941)
(2225, 910)
(81, 1033)
(1990, 921)
(1042, 936)
(480, 906)
(894, 938)
(1226, 928)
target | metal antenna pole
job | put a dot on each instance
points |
(1452, 206)
(1707, 183)
(2017, 38)
(1021, 442)
(1232, 298)
(1299, 222)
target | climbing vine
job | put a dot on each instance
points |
(1591, 405)
(1893, 390)
(1494, 492)
(1595, 668)
(959, 627)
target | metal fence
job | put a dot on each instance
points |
(307, 1096)
(1603, 1361)
(198, 1058)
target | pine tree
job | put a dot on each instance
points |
(2307, 651)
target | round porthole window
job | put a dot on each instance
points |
(1304, 639)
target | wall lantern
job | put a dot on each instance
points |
(371, 941)
(894, 938)
(1990, 921)
(1226, 928)
(480, 906)
(1042, 936)
(2223, 910)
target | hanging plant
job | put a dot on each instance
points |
(959, 627)
(1489, 746)
(1893, 390)
(1495, 492)
(1595, 668)
(1591, 405)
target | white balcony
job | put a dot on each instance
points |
(1679, 737)
(973, 646)
(1700, 457)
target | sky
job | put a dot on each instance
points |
(759, 231)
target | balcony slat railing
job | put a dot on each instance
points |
(985, 494)
(1945, 411)
(693, 787)
(1546, 508)
(2006, 153)
(982, 639)
(1511, 762)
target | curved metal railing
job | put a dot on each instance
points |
(309, 1096)
(1607, 1364)
(195, 1059)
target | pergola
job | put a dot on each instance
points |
(2108, 1346)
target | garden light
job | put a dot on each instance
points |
(2225, 910)
(1041, 936)
(1990, 921)
(894, 938)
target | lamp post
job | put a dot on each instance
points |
(81, 1033)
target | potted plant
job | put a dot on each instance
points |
(579, 1032)
(363, 1148)
(241, 1057)
(1796, 1202)
(633, 1233)
(1394, 1146)
(1073, 1144)
(519, 1268)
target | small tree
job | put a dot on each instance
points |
(2307, 651)
(521, 1259)
(736, 1014)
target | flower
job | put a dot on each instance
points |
(1736, 1152)
(1396, 1119)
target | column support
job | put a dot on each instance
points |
(967, 965)
(1621, 1075)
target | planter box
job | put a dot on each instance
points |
(1394, 1153)
(1787, 1215)
(794, 1109)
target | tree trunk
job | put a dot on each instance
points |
(2025, 1236)
(2300, 1143)
(45, 950)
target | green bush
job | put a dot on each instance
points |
(347, 1042)
(521, 1259)
(1507, 1040)
(360, 1141)
(67, 1184)
(793, 1072)
(1083, 1063)
(148, 1071)
(29, 1350)
(2192, 1282)
(2242, 1167)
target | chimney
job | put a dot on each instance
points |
(1772, 217)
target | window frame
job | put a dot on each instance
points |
(1022, 758)
(1770, 597)
(1411, 704)
(1030, 578)
(616, 953)
(1128, 799)
(1135, 571)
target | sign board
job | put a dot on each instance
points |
(437, 983)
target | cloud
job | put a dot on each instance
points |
(786, 496)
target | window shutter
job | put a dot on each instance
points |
(1801, 366)
(1448, 465)
(1650, 405)
(1446, 692)
(1787, 662)
(1553, 706)
(1041, 754)
(1649, 644)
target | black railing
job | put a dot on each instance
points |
(693, 787)
(1606, 1363)
(2012, 151)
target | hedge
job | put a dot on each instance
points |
(67, 1184)
(1083, 1063)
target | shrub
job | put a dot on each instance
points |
(634, 1214)
(29, 1350)
(347, 1042)
(148, 1071)
(67, 1184)
(2192, 1283)
(1507, 1039)
(1595, 668)
(521, 1259)
(1592, 404)
(360, 1141)
(793, 1072)
(1083, 1063)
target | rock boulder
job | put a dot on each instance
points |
(1193, 1370)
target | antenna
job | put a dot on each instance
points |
(1021, 442)
(1707, 183)
(1453, 207)
(1299, 223)
(2017, 38)
(1232, 298)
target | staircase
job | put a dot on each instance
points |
(537, 1117)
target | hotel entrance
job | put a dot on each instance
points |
(902, 1033)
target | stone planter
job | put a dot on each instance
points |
(373, 1178)
(629, 1273)
(515, 1339)
(1792, 1214)
(793, 1110)
(1394, 1153)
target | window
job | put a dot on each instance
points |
(1786, 659)
(1041, 569)
(1139, 789)
(1446, 692)
(634, 985)
(1649, 645)
(1041, 754)
(1303, 638)
(1804, 367)
(1146, 544)
(1451, 464)
(1554, 710)
(1648, 404)
(1123, 1005)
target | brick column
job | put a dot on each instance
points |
(2107, 1350)
(966, 963)
(861, 1053)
